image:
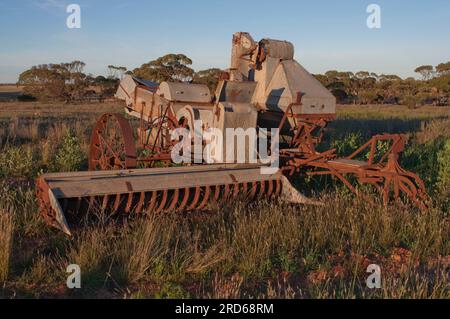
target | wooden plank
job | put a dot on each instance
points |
(182, 178)
(149, 171)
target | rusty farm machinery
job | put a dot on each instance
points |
(265, 89)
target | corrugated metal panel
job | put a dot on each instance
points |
(145, 82)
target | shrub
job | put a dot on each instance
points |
(423, 160)
(348, 144)
(70, 156)
(17, 162)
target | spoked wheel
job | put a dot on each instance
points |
(112, 144)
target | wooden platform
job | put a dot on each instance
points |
(86, 184)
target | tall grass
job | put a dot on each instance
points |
(6, 237)
(267, 249)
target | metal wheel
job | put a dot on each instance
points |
(112, 144)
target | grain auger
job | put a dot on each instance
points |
(265, 91)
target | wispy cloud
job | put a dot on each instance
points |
(50, 4)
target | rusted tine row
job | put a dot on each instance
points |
(179, 200)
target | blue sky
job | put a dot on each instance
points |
(326, 34)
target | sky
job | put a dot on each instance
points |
(327, 35)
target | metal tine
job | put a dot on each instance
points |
(270, 189)
(129, 203)
(175, 200)
(245, 189)
(216, 193)
(105, 202)
(278, 187)
(226, 192)
(152, 203)
(235, 190)
(91, 202)
(205, 198)
(195, 200)
(117, 202)
(262, 189)
(163, 202)
(253, 191)
(140, 203)
(184, 201)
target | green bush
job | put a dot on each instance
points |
(422, 159)
(348, 144)
(17, 162)
(70, 156)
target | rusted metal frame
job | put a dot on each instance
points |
(285, 116)
(160, 127)
(375, 174)
(335, 172)
(304, 126)
(295, 163)
(397, 146)
(360, 149)
(159, 130)
(149, 118)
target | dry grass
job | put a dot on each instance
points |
(261, 250)
(10, 88)
(43, 111)
(6, 237)
(391, 111)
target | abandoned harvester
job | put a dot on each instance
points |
(264, 91)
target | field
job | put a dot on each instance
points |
(267, 249)
(10, 92)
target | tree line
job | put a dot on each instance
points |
(68, 82)
(364, 87)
